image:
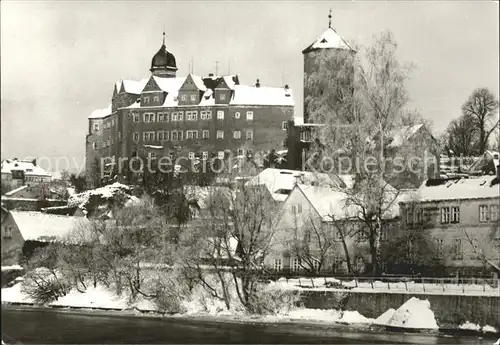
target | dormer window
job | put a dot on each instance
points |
(96, 127)
(193, 98)
(183, 98)
(156, 99)
(222, 96)
(146, 100)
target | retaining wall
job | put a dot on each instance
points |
(450, 310)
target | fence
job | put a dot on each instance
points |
(483, 286)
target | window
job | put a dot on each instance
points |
(294, 209)
(112, 122)
(483, 213)
(160, 117)
(165, 117)
(419, 212)
(284, 125)
(146, 100)
(295, 265)
(180, 115)
(439, 247)
(249, 134)
(95, 145)
(191, 115)
(445, 215)
(176, 135)
(456, 249)
(191, 155)
(149, 117)
(220, 134)
(174, 117)
(204, 155)
(220, 154)
(96, 126)
(162, 135)
(206, 114)
(184, 98)
(409, 215)
(205, 134)
(148, 136)
(222, 96)
(193, 98)
(156, 99)
(455, 214)
(278, 264)
(192, 134)
(151, 156)
(494, 213)
(249, 115)
(220, 114)
(112, 141)
(7, 232)
(237, 115)
(361, 236)
(136, 136)
(299, 208)
(136, 118)
(241, 152)
(237, 134)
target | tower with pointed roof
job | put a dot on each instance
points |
(329, 42)
(163, 63)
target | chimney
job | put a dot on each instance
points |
(287, 91)
(257, 84)
(286, 87)
(210, 74)
(34, 162)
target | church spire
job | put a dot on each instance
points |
(330, 19)
(163, 37)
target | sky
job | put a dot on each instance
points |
(59, 60)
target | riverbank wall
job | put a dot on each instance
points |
(450, 310)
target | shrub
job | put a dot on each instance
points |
(44, 286)
(274, 301)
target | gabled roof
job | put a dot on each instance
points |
(134, 86)
(263, 95)
(14, 191)
(329, 39)
(401, 135)
(27, 166)
(36, 226)
(100, 113)
(458, 189)
(280, 182)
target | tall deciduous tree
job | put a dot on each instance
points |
(462, 137)
(482, 108)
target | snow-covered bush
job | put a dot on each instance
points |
(44, 285)
(169, 291)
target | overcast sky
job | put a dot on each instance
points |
(59, 60)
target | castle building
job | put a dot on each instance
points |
(193, 117)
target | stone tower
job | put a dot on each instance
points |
(331, 43)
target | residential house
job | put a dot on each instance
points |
(22, 231)
(462, 215)
(317, 214)
(17, 173)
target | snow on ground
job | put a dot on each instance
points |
(325, 284)
(470, 326)
(385, 317)
(11, 268)
(98, 297)
(414, 313)
(489, 329)
(14, 294)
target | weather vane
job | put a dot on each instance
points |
(330, 19)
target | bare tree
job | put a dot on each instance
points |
(462, 137)
(479, 247)
(482, 107)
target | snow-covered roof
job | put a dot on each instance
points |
(37, 226)
(401, 135)
(14, 191)
(100, 113)
(228, 79)
(329, 39)
(27, 166)
(134, 86)
(489, 157)
(280, 182)
(105, 192)
(331, 203)
(263, 95)
(458, 189)
(198, 81)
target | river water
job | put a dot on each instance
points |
(52, 326)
